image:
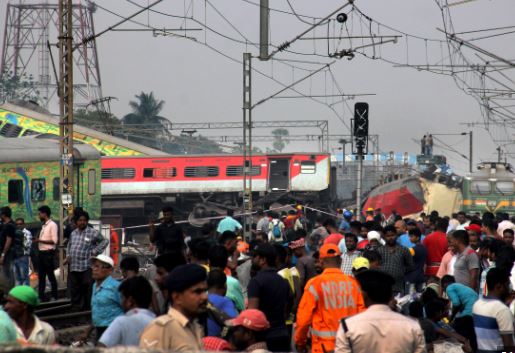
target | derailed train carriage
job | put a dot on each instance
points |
(209, 184)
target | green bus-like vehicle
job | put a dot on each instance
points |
(29, 177)
(490, 188)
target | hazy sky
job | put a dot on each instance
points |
(199, 84)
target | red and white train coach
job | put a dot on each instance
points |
(134, 182)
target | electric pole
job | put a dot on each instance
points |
(247, 144)
(66, 115)
(264, 16)
(471, 163)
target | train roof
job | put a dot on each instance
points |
(30, 149)
(47, 118)
(222, 155)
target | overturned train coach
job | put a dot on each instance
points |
(208, 184)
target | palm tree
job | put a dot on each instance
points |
(146, 123)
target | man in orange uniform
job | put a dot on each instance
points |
(327, 299)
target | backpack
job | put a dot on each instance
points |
(276, 230)
(19, 243)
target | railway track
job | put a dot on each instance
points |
(53, 308)
(67, 319)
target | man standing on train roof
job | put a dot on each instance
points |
(229, 223)
(168, 236)
(423, 145)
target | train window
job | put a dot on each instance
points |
(10, 130)
(38, 190)
(308, 167)
(118, 173)
(15, 191)
(55, 192)
(92, 181)
(237, 170)
(481, 187)
(199, 172)
(160, 173)
(504, 187)
(30, 132)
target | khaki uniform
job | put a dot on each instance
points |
(173, 331)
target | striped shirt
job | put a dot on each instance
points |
(347, 258)
(492, 318)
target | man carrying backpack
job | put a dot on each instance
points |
(275, 235)
(21, 251)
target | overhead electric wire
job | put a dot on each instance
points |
(231, 58)
(283, 11)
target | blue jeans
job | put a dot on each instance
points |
(21, 270)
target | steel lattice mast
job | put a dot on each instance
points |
(28, 38)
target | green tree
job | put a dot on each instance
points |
(14, 87)
(98, 120)
(280, 139)
(144, 125)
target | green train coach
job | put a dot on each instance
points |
(29, 177)
(490, 188)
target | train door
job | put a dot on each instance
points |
(279, 175)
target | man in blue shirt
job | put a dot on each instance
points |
(106, 304)
(217, 288)
(229, 223)
(126, 330)
(402, 231)
(462, 298)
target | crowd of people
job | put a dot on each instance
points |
(333, 284)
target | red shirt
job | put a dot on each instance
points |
(436, 245)
(333, 238)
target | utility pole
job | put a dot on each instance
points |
(247, 144)
(471, 163)
(66, 115)
(361, 143)
(264, 16)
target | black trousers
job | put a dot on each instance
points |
(465, 326)
(278, 340)
(80, 289)
(46, 269)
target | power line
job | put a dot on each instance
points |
(230, 57)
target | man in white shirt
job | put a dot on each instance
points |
(378, 329)
(21, 302)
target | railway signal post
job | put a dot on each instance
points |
(360, 146)
(66, 116)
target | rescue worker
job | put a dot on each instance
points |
(369, 215)
(327, 299)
